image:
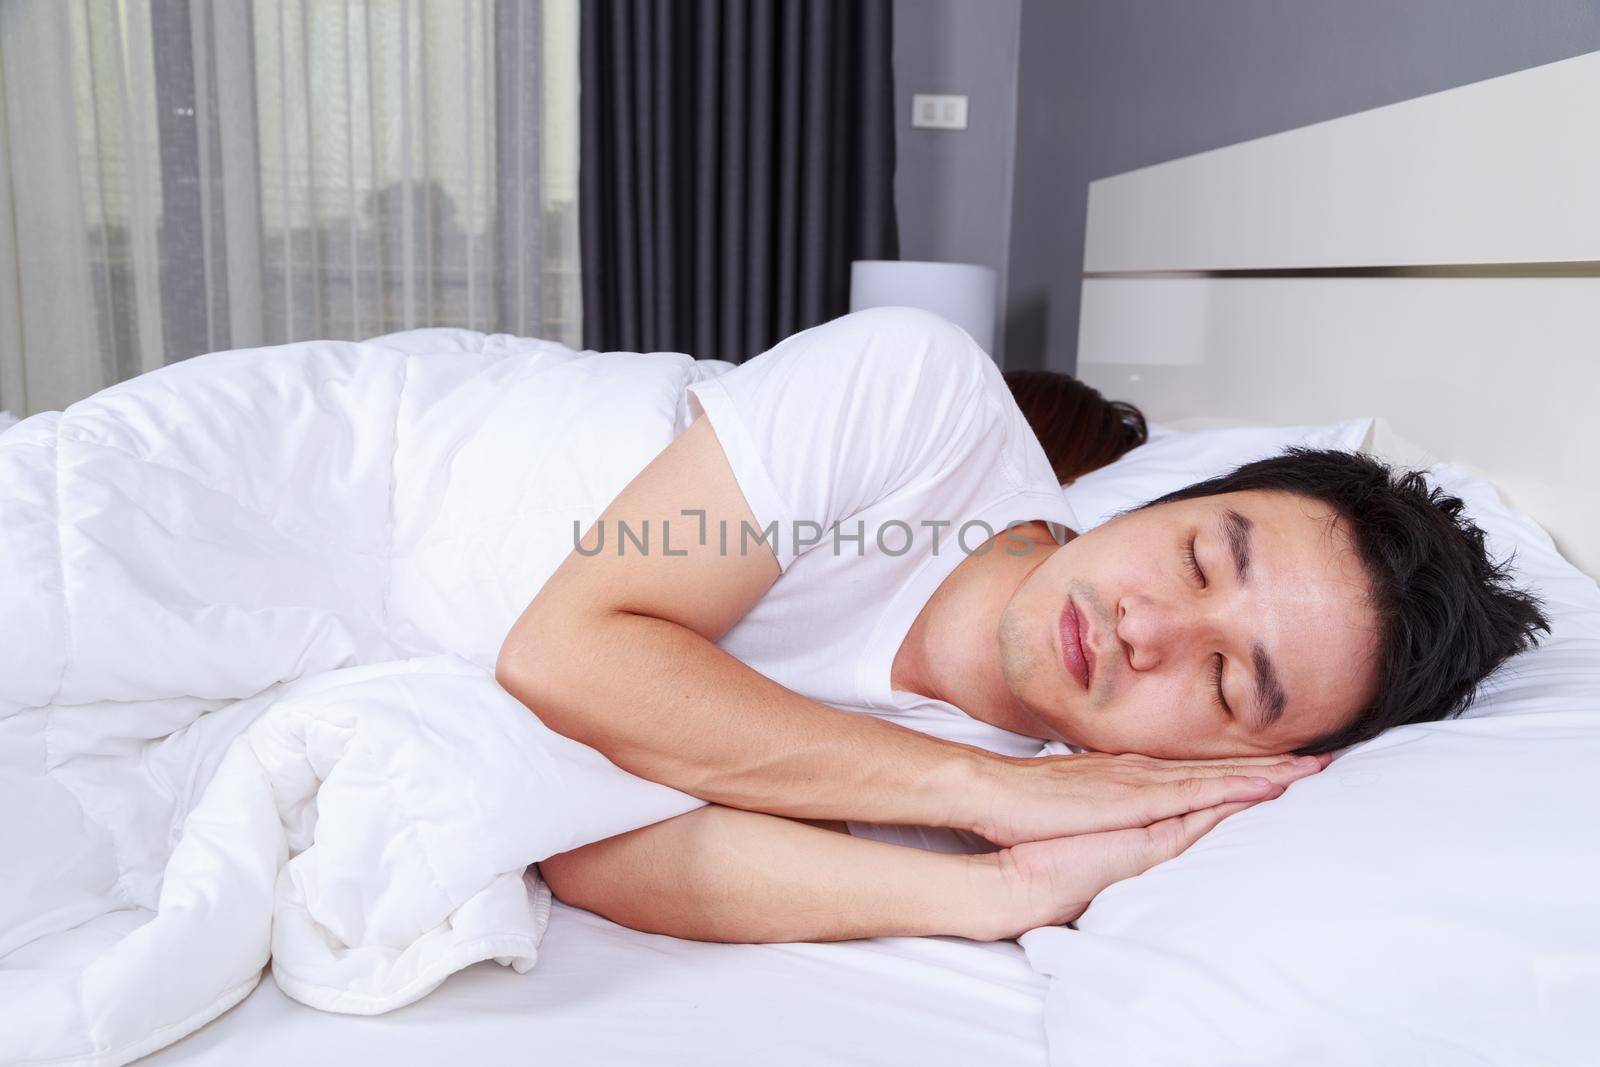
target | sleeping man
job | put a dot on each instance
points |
(849, 592)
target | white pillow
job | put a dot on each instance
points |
(1428, 899)
(1171, 460)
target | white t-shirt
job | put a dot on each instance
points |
(860, 444)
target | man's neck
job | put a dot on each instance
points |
(952, 651)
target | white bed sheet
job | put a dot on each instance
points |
(603, 994)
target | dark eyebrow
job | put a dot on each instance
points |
(1269, 691)
(1236, 532)
(1270, 696)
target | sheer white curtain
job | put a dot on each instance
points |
(181, 176)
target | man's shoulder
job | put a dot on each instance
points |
(902, 339)
(897, 346)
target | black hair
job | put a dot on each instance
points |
(1448, 614)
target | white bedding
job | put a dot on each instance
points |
(254, 601)
(606, 996)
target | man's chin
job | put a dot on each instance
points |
(1044, 724)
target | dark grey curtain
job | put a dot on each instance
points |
(736, 156)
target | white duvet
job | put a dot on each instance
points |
(253, 602)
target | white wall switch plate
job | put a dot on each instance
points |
(936, 111)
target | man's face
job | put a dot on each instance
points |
(1274, 606)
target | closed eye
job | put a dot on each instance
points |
(1216, 685)
(1194, 563)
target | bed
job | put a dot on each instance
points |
(612, 996)
(1432, 267)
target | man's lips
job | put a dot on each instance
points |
(1075, 654)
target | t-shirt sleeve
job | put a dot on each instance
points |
(842, 416)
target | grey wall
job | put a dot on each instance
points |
(1109, 85)
(953, 187)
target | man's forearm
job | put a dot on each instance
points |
(670, 706)
(721, 874)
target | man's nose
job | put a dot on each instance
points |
(1150, 629)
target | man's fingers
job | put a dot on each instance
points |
(1170, 837)
(1282, 771)
(1120, 854)
(1317, 762)
(1227, 761)
(1197, 794)
(1255, 761)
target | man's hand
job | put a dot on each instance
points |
(1047, 883)
(1022, 800)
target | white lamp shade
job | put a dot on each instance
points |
(964, 293)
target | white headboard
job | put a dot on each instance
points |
(1435, 263)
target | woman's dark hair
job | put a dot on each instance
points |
(1079, 429)
(1448, 615)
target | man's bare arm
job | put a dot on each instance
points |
(721, 874)
(617, 651)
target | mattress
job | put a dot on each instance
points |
(603, 994)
